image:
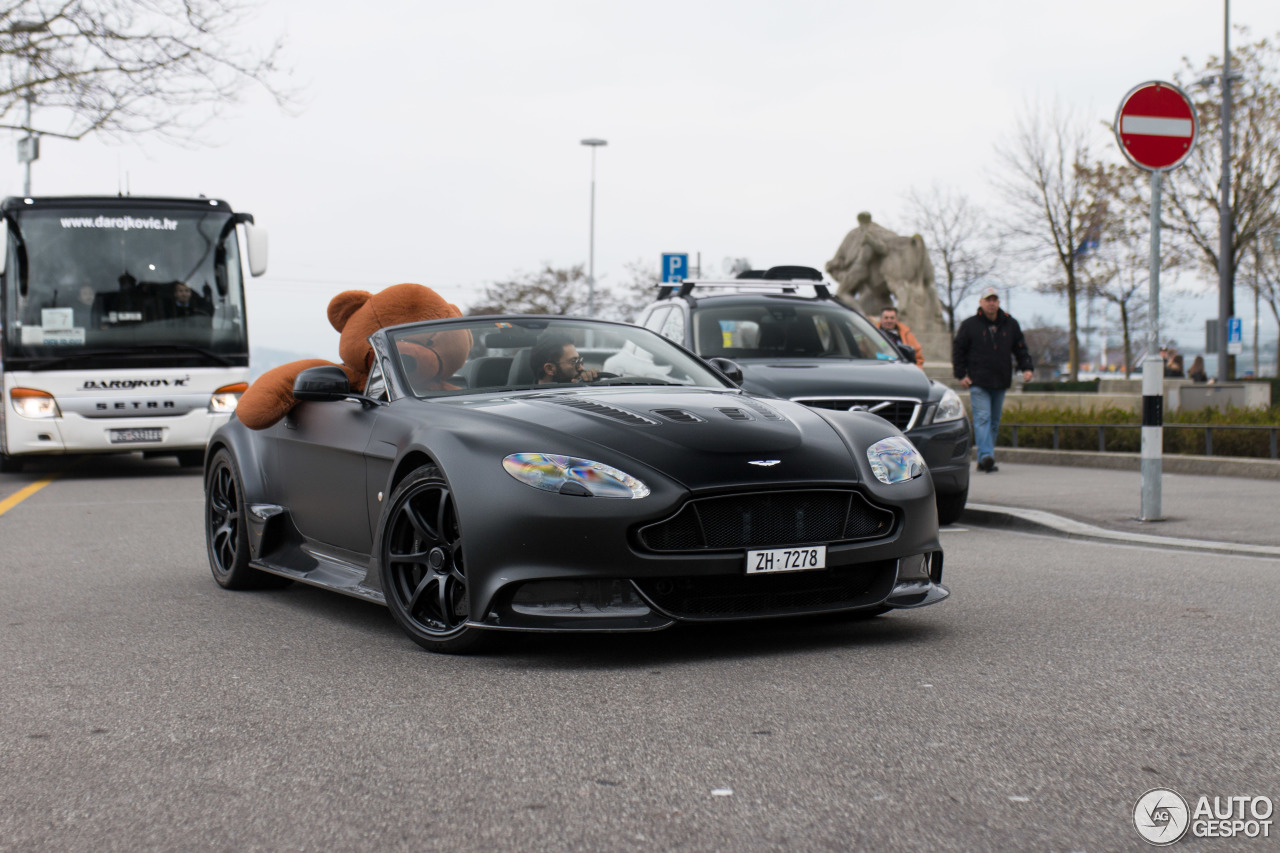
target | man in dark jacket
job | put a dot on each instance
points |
(980, 356)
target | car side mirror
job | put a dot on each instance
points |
(730, 368)
(320, 384)
(908, 352)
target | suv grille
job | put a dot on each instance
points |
(769, 520)
(900, 413)
(733, 596)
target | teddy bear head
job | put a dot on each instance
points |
(356, 314)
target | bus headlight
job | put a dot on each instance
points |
(33, 403)
(224, 400)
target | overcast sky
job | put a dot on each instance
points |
(439, 142)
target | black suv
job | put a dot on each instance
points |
(790, 338)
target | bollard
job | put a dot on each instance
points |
(1152, 435)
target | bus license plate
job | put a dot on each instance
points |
(787, 559)
(129, 436)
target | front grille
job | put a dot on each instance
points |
(900, 413)
(736, 596)
(769, 520)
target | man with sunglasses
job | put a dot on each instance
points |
(555, 359)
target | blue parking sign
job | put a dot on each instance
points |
(1235, 336)
(675, 266)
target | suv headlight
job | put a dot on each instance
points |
(895, 460)
(569, 475)
(949, 407)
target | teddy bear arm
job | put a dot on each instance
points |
(270, 397)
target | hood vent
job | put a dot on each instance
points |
(762, 410)
(607, 411)
(735, 414)
(680, 416)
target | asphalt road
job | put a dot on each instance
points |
(144, 708)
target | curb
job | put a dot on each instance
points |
(1216, 466)
(1047, 523)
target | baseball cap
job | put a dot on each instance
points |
(989, 291)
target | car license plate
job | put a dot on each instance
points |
(129, 436)
(787, 559)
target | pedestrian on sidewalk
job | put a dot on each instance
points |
(980, 359)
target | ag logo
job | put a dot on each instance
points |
(1161, 816)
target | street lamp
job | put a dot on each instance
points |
(593, 144)
(29, 145)
(1226, 226)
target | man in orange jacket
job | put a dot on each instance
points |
(900, 333)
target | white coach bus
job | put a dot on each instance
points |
(122, 324)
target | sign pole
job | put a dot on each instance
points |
(1153, 376)
(1156, 129)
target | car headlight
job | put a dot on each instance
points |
(895, 460)
(569, 475)
(949, 407)
(226, 398)
(32, 403)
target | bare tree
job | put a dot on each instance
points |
(1264, 280)
(963, 240)
(122, 67)
(1054, 208)
(1193, 190)
(1115, 261)
(561, 291)
(1047, 343)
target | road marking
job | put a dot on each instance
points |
(26, 492)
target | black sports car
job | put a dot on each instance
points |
(634, 487)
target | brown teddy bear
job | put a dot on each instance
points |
(356, 314)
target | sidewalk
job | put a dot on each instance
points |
(1220, 514)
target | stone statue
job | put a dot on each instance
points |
(876, 269)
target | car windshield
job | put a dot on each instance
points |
(771, 330)
(521, 353)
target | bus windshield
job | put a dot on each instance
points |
(123, 286)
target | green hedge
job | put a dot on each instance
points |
(1242, 443)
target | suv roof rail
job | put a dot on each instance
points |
(784, 279)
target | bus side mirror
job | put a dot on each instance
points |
(255, 239)
(4, 244)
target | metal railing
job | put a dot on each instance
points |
(1208, 429)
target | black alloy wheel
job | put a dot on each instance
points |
(424, 574)
(226, 531)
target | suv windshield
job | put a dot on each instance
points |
(501, 355)
(117, 286)
(766, 328)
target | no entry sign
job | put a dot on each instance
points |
(1156, 126)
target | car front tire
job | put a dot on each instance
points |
(424, 575)
(226, 529)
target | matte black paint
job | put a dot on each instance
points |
(322, 478)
